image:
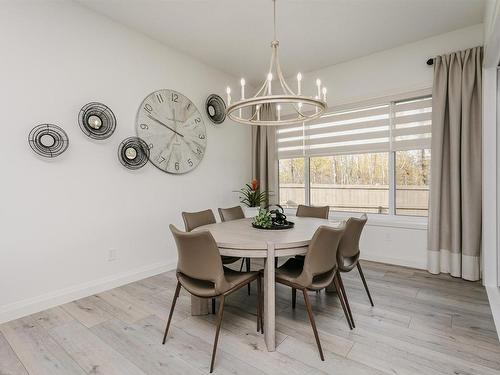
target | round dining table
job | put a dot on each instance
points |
(237, 238)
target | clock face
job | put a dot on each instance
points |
(174, 130)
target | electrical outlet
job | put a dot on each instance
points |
(112, 255)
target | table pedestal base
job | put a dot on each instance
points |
(199, 306)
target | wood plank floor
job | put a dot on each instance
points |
(421, 324)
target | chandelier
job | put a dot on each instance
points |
(287, 106)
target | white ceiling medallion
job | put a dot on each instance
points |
(295, 107)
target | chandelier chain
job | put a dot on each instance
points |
(274, 19)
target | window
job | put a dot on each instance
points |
(412, 182)
(292, 188)
(411, 136)
(351, 182)
(365, 158)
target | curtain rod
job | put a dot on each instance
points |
(430, 62)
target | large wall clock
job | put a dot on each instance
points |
(174, 130)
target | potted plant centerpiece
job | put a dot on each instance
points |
(252, 197)
(272, 219)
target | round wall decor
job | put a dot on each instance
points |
(97, 121)
(174, 131)
(48, 140)
(133, 153)
(216, 109)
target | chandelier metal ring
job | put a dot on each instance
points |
(253, 103)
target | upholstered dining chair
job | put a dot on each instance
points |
(200, 271)
(194, 220)
(348, 254)
(231, 213)
(316, 271)
(235, 213)
(319, 212)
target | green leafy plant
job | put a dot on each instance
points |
(263, 219)
(251, 195)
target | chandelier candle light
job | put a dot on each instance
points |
(299, 108)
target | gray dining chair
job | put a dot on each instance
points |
(193, 220)
(348, 253)
(231, 213)
(200, 271)
(235, 213)
(319, 212)
(317, 271)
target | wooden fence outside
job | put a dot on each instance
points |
(410, 200)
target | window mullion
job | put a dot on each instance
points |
(307, 180)
(392, 183)
(392, 163)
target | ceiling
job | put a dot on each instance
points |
(234, 35)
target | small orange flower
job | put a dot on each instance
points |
(255, 185)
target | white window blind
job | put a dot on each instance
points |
(412, 124)
(365, 129)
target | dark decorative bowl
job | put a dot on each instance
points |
(276, 226)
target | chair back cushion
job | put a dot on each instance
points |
(349, 244)
(194, 220)
(232, 213)
(199, 256)
(310, 211)
(321, 256)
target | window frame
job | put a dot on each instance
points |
(391, 218)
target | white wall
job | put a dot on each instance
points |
(59, 218)
(394, 71)
(399, 70)
(491, 158)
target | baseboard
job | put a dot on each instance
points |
(394, 261)
(32, 305)
(494, 298)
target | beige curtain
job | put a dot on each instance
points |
(454, 236)
(263, 154)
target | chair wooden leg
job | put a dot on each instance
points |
(342, 303)
(213, 305)
(247, 261)
(176, 295)
(219, 321)
(242, 263)
(341, 283)
(364, 282)
(294, 297)
(260, 323)
(313, 323)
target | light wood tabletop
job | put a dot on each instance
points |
(238, 238)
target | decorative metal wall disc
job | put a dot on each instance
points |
(97, 121)
(48, 140)
(133, 153)
(216, 109)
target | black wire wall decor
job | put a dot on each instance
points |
(133, 153)
(216, 109)
(48, 140)
(97, 121)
